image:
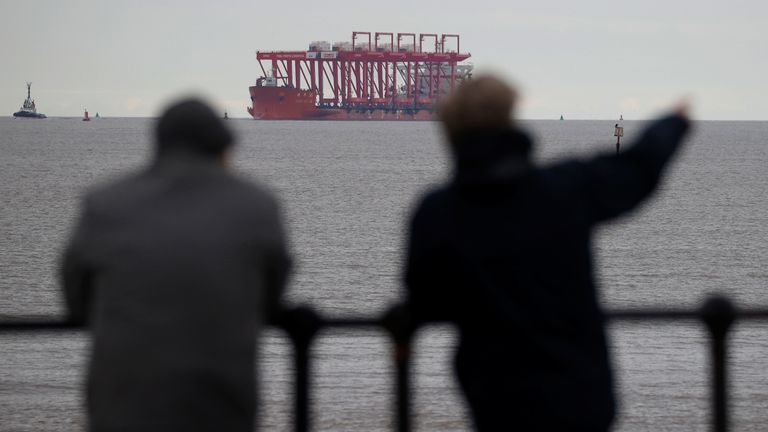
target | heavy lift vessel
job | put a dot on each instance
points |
(379, 76)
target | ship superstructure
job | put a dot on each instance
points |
(28, 109)
(376, 76)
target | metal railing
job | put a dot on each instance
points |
(302, 325)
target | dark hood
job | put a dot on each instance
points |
(491, 156)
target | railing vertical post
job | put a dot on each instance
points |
(301, 324)
(718, 315)
(399, 324)
(301, 402)
(403, 363)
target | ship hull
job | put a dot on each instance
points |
(286, 103)
(25, 114)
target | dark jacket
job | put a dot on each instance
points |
(504, 251)
(175, 269)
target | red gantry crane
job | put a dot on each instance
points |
(379, 76)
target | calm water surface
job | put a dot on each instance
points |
(347, 190)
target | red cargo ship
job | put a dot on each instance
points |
(383, 78)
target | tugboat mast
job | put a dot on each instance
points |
(29, 90)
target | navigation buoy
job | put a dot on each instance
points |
(85, 116)
(618, 132)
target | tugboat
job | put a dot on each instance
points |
(85, 116)
(29, 110)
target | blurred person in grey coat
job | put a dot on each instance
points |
(175, 269)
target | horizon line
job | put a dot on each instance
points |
(101, 117)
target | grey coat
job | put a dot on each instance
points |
(175, 269)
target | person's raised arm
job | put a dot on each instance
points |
(614, 184)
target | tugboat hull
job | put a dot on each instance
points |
(27, 114)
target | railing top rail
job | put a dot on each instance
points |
(624, 314)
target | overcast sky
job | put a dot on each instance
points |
(584, 59)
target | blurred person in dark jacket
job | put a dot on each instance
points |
(503, 250)
(175, 269)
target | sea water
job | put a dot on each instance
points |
(347, 190)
